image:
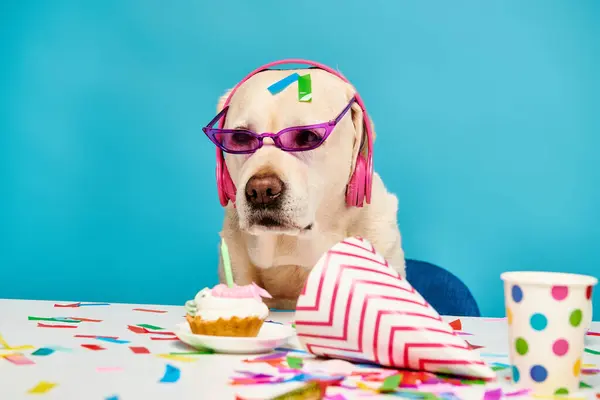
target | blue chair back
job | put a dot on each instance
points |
(442, 289)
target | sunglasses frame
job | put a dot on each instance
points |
(212, 132)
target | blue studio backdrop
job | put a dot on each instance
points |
(487, 114)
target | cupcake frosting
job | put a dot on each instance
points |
(225, 302)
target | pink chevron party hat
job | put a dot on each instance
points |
(355, 306)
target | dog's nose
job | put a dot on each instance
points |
(263, 190)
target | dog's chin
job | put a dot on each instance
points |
(272, 226)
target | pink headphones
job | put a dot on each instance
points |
(359, 186)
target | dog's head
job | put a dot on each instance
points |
(279, 191)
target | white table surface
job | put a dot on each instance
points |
(75, 371)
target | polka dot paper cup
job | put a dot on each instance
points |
(548, 314)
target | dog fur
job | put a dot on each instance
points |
(279, 259)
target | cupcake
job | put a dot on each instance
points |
(228, 311)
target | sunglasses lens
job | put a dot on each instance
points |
(302, 139)
(239, 141)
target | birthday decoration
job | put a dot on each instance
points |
(355, 306)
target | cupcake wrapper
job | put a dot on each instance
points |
(240, 327)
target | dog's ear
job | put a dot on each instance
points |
(222, 100)
(360, 138)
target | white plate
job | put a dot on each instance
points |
(269, 337)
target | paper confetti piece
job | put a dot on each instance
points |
(72, 305)
(294, 362)
(193, 353)
(391, 383)
(19, 348)
(18, 359)
(151, 327)
(161, 333)
(590, 371)
(271, 356)
(112, 398)
(473, 346)
(109, 369)
(283, 83)
(137, 329)
(42, 325)
(85, 319)
(149, 310)
(30, 318)
(164, 338)
(590, 333)
(171, 375)
(175, 357)
(304, 88)
(499, 366)
(111, 340)
(583, 385)
(94, 347)
(591, 351)
(494, 394)
(93, 304)
(95, 336)
(456, 325)
(139, 350)
(520, 392)
(43, 351)
(42, 387)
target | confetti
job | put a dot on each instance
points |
(521, 392)
(193, 353)
(590, 371)
(112, 398)
(271, 356)
(30, 318)
(456, 325)
(149, 310)
(42, 325)
(95, 336)
(112, 340)
(590, 333)
(42, 387)
(304, 88)
(283, 83)
(93, 304)
(294, 362)
(72, 305)
(85, 319)
(591, 351)
(18, 359)
(94, 347)
(109, 369)
(499, 366)
(176, 357)
(137, 329)
(583, 385)
(171, 375)
(473, 346)
(152, 327)
(43, 351)
(391, 383)
(494, 394)
(139, 350)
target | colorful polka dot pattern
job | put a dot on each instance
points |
(538, 323)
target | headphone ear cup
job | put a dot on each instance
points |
(355, 191)
(225, 186)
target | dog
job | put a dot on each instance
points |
(290, 206)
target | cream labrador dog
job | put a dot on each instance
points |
(290, 206)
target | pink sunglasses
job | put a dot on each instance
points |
(292, 139)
